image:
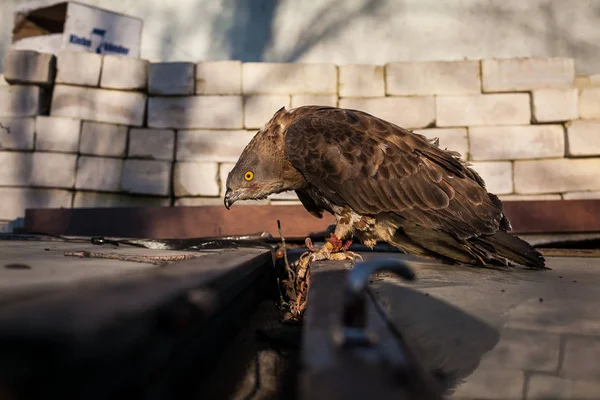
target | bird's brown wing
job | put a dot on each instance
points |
(374, 167)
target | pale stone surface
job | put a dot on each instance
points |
(171, 78)
(543, 387)
(201, 112)
(290, 195)
(146, 177)
(407, 112)
(3, 81)
(16, 168)
(521, 74)
(492, 384)
(98, 173)
(199, 201)
(224, 170)
(454, 139)
(314, 100)
(29, 67)
(17, 133)
(287, 78)
(21, 101)
(585, 195)
(259, 109)
(585, 81)
(208, 145)
(557, 175)
(219, 77)
(589, 103)
(486, 109)
(581, 358)
(530, 197)
(16, 200)
(551, 105)
(54, 170)
(583, 138)
(101, 139)
(358, 80)
(516, 142)
(57, 134)
(122, 72)
(196, 179)
(101, 105)
(78, 68)
(155, 144)
(433, 77)
(496, 174)
(99, 199)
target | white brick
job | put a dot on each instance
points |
(584, 138)
(215, 146)
(201, 112)
(585, 81)
(171, 78)
(552, 105)
(195, 179)
(54, 170)
(102, 105)
(287, 78)
(200, 201)
(314, 100)
(433, 77)
(224, 170)
(516, 142)
(147, 177)
(57, 134)
(591, 195)
(102, 200)
(407, 112)
(97, 173)
(103, 139)
(530, 197)
(219, 77)
(16, 168)
(454, 139)
(556, 176)
(21, 101)
(361, 81)
(486, 109)
(17, 133)
(589, 103)
(155, 144)
(122, 72)
(16, 200)
(30, 67)
(290, 195)
(3, 81)
(258, 109)
(521, 74)
(78, 68)
(497, 175)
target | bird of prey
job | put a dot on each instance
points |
(382, 183)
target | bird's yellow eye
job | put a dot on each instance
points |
(249, 175)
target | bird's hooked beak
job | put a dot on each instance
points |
(229, 199)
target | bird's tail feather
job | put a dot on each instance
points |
(513, 248)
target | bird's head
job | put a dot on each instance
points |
(263, 167)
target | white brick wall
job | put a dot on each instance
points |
(98, 173)
(552, 105)
(210, 145)
(103, 200)
(55, 170)
(486, 109)
(516, 142)
(589, 103)
(314, 100)
(17, 133)
(586, 195)
(433, 77)
(16, 168)
(21, 101)
(57, 134)
(407, 112)
(102, 105)
(497, 175)
(195, 179)
(102, 139)
(16, 200)
(530, 197)
(219, 77)
(78, 68)
(286, 78)
(584, 138)
(361, 81)
(29, 67)
(197, 112)
(146, 177)
(454, 139)
(259, 109)
(123, 72)
(224, 170)
(155, 144)
(521, 74)
(171, 78)
(557, 176)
